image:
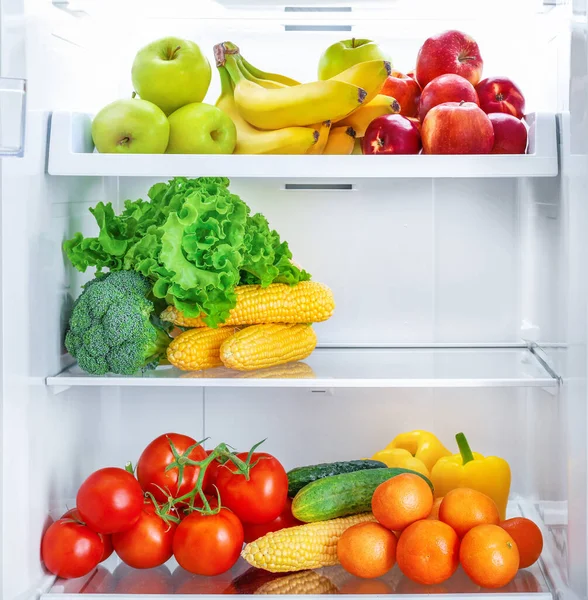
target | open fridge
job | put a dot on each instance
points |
(459, 281)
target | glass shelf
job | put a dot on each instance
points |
(352, 368)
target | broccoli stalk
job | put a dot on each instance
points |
(112, 328)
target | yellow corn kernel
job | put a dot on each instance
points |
(309, 546)
(263, 346)
(198, 348)
(305, 302)
(305, 582)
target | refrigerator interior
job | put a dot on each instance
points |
(442, 285)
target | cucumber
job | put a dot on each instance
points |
(301, 476)
(342, 495)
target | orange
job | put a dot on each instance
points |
(527, 537)
(489, 556)
(464, 508)
(367, 550)
(434, 514)
(402, 500)
(428, 552)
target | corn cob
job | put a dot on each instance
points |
(263, 346)
(305, 582)
(309, 546)
(305, 302)
(198, 348)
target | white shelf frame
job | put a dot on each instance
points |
(356, 368)
(71, 152)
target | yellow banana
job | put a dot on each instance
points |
(302, 104)
(323, 129)
(357, 149)
(291, 140)
(268, 84)
(369, 75)
(341, 141)
(365, 114)
(275, 77)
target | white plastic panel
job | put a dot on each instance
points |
(72, 153)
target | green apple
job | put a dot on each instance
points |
(171, 73)
(201, 129)
(345, 54)
(131, 126)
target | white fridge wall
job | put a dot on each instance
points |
(521, 256)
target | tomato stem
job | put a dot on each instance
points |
(221, 454)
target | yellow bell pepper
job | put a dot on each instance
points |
(399, 458)
(489, 475)
(422, 445)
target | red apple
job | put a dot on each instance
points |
(446, 88)
(391, 134)
(457, 128)
(510, 134)
(404, 89)
(501, 95)
(416, 122)
(449, 52)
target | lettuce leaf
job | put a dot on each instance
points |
(267, 259)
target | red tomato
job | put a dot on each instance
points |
(208, 544)
(70, 549)
(263, 497)
(157, 456)
(148, 543)
(74, 513)
(110, 500)
(140, 581)
(211, 475)
(285, 519)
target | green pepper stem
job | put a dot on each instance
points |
(464, 448)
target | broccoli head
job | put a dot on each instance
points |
(112, 328)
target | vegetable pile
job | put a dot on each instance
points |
(196, 251)
(194, 241)
(202, 506)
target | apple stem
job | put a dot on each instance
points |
(171, 55)
(134, 95)
(353, 43)
(124, 141)
(461, 102)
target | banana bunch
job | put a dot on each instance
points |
(274, 114)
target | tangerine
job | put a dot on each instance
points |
(428, 552)
(489, 556)
(464, 508)
(402, 500)
(367, 550)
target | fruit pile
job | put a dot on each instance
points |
(446, 108)
(358, 105)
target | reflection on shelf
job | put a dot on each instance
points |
(352, 368)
